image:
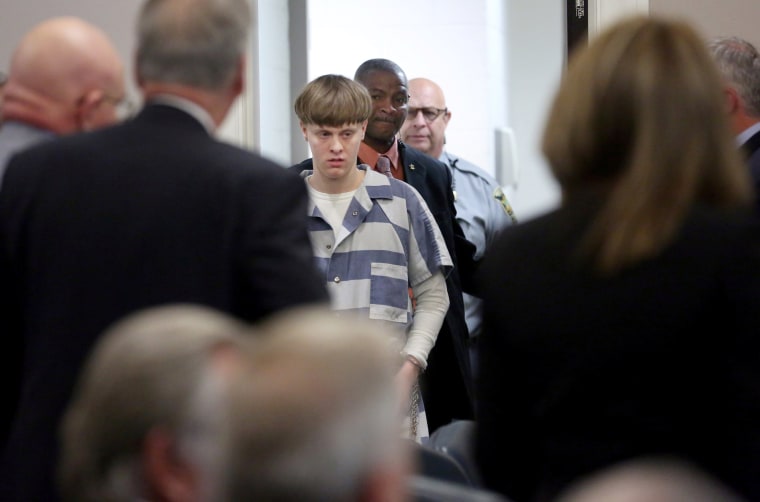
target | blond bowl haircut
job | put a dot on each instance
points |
(153, 369)
(319, 414)
(638, 120)
(333, 101)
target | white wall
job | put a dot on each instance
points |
(535, 52)
(272, 99)
(605, 12)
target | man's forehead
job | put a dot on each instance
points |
(425, 94)
(423, 100)
(383, 78)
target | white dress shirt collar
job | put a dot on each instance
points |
(746, 134)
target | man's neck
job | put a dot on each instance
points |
(190, 107)
(215, 104)
(348, 183)
(740, 122)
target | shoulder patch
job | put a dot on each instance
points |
(498, 194)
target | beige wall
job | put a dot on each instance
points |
(715, 18)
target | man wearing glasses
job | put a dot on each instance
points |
(482, 208)
(65, 77)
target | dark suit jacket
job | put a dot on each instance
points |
(751, 150)
(447, 382)
(154, 211)
(578, 371)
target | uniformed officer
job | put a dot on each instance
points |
(482, 208)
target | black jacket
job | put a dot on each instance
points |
(95, 226)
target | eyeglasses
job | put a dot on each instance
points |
(429, 113)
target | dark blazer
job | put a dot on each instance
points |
(95, 226)
(447, 386)
(751, 150)
(580, 371)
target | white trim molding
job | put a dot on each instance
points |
(605, 12)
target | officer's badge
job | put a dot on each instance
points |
(499, 195)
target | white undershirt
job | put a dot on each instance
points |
(333, 206)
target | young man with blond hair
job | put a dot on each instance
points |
(372, 235)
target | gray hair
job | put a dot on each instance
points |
(319, 414)
(739, 64)
(153, 369)
(192, 42)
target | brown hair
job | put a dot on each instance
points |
(333, 100)
(639, 114)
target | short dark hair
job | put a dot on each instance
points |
(379, 64)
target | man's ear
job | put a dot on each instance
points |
(166, 475)
(239, 79)
(303, 130)
(733, 101)
(364, 127)
(87, 106)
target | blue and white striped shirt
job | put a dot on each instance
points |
(388, 242)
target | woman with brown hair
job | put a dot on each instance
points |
(626, 323)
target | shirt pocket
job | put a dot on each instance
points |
(389, 293)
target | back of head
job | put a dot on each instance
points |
(739, 64)
(638, 120)
(195, 43)
(333, 100)
(55, 64)
(317, 418)
(156, 369)
(649, 480)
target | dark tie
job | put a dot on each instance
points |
(384, 166)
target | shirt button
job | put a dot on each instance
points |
(329, 246)
(356, 213)
(337, 279)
